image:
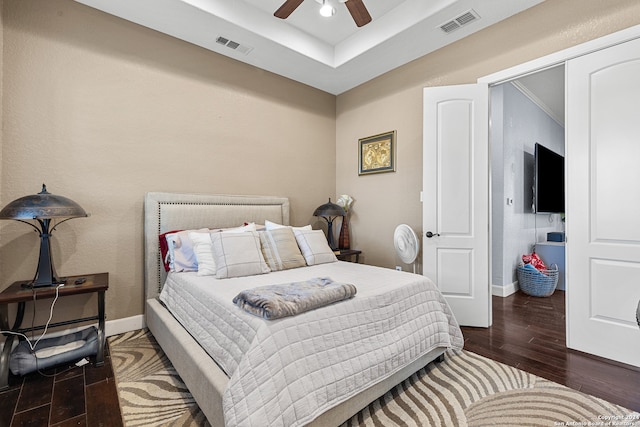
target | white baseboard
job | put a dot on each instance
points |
(120, 326)
(504, 291)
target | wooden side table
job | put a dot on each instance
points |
(348, 254)
(18, 293)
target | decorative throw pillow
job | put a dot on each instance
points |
(181, 255)
(314, 247)
(164, 250)
(238, 254)
(273, 226)
(280, 249)
(203, 248)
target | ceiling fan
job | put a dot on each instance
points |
(357, 9)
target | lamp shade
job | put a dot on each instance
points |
(42, 206)
(329, 210)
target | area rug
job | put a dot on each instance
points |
(464, 390)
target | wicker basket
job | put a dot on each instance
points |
(538, 283)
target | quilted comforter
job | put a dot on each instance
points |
(288, 371)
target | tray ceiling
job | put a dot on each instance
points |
(331, 54)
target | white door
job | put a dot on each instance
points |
(456, 198)
(603, 202)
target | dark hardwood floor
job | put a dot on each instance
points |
(65, 396)
(527, 332)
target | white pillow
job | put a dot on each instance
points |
(274, 226)
(247, 227)
(314, 247)
(203, 248)
(180, 249)
(238, 254)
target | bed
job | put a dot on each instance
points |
(275, 394)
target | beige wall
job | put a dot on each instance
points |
(103, 110)
(394, 102)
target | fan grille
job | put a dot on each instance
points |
(406, 243)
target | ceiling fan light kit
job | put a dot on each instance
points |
(327, 10)
(356, 8)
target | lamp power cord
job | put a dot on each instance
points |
(33, 344)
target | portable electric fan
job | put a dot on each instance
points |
(407, 244)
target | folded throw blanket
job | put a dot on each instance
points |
(275, 301)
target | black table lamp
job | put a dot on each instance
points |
(330, 211)
(43, 207)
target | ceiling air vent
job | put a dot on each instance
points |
(234, 45)
(459, 21)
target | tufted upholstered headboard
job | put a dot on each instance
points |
(178, 211)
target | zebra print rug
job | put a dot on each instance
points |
(464, 390)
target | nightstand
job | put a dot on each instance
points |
(18, 293)
(348, 254)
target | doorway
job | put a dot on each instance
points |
(523, 112)
(601, 164)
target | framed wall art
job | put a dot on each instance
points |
(377, 153)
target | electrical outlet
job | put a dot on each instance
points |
(398, 268)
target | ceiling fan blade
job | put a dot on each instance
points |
(358, 12)
(287, 8)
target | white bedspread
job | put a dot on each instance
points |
(288, 371)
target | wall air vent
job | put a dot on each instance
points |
(460, 21)
(234, 45)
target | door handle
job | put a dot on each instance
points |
(430, 234)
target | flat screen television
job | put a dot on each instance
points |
(548, 181)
